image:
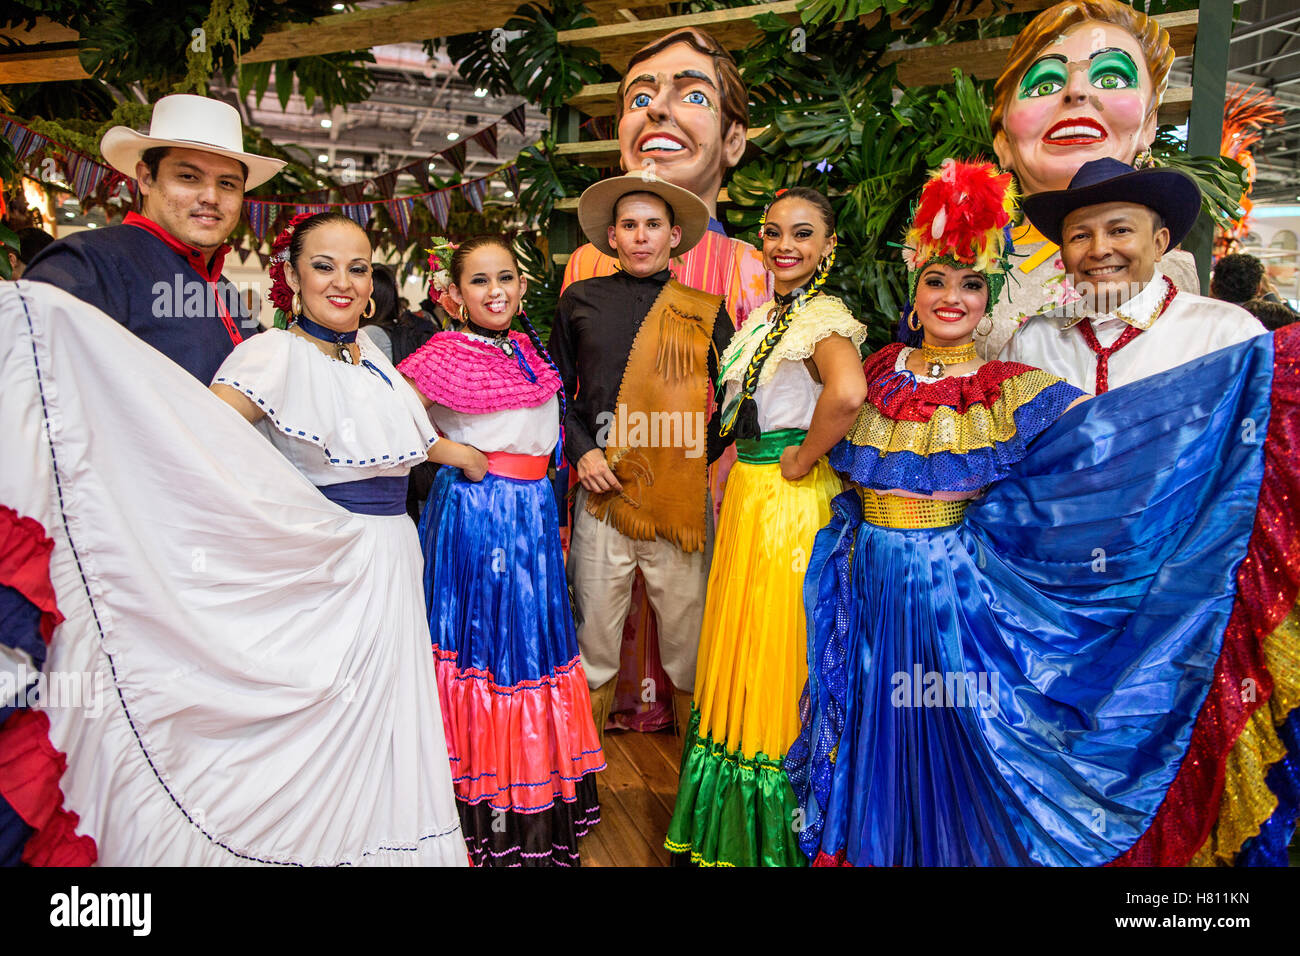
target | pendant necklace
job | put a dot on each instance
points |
(340, 340)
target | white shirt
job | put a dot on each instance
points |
(1190, 327)
(520, 431)
(786, 400)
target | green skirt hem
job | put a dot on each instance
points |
(733, 810)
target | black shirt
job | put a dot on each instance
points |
(595, 325)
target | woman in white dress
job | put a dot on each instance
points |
(257, 656)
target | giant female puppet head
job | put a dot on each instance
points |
(683, 113)
(1083, 81)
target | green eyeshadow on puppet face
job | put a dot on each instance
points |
(1044, 77)
(1112, 69)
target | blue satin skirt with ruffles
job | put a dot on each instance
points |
(494, 576)
(1021, 688)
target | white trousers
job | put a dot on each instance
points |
(601, 568)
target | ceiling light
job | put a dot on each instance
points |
(338, 6)
(92, 225)
(480, 92)
(509, 194)
(326, 123)
(322, 158)
(431, 167)
(453, 136)
(70, 215)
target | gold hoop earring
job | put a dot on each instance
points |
(370, 310)
(914, 321)
(296, 304)
(464, 312)
(990, 328)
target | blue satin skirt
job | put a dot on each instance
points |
(1020, 689)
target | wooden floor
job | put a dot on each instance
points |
(637, 790)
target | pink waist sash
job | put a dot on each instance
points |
(505, 464)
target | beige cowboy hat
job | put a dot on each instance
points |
(188, 122)
(596, 209)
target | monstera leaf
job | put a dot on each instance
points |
(544, 70)
(545, 177)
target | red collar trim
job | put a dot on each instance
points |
(210, 272)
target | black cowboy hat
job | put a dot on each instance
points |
(1173, 195)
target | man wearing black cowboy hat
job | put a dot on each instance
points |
(1125, 319)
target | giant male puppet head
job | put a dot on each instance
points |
(683, 113)
(1083, 81)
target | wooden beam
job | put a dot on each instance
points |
(570, 203)
(917, 66)
(41, 66)
(734, 27)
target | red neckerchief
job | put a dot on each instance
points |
(209, 272)
(1127, 336)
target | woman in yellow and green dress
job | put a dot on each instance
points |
(791, 384)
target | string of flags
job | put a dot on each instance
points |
(87, 176)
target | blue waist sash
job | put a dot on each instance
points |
(381, 495)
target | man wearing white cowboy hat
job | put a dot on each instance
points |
(159, 272)
(637, 351)
(1127, 319)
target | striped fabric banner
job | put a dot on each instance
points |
(24, 141)
(487, 138)
(516, 117)
(359, 212)
(84, 174)
(258, 215)
(474, 191)
(400, 210)
(440, 205)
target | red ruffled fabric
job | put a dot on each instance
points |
(30, 771)
(918, 404)
(522, 747)
(1268, 582)
(471, 376)
(30, 767)
(25, 565)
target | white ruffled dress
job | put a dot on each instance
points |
(263, 691)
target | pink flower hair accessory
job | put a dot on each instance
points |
(440, 267)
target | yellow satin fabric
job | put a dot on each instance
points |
(1247, 801)
(752, 660)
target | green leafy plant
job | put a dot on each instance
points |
(542, 69)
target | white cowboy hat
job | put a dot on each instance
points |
(188, 122)
(596, 209)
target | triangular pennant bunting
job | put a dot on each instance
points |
(359, 212)
(439, 205)
(511, 174)
(455, 156)
(259, 217)
(384, 184)
(400, 210)
(487, 138)
(85, 176)
(516, 117)
(352, 192)
(473, 192)
(420, 171)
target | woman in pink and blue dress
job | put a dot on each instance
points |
(523, 747)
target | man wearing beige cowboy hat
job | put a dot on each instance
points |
(159, 272)
(637, 351)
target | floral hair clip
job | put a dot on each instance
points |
(281, 295)
(440, 267)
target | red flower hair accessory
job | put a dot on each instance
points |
(281, 295)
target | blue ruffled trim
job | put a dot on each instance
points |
(950, 471)
(1269, 848)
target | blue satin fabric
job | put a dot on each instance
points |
(1094, 582)
(381, 495)
(494, 576)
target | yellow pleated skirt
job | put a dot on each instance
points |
(752, 665)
